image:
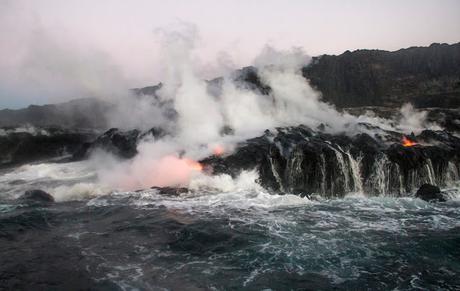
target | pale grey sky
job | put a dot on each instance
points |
(54, 50)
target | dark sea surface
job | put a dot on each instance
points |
(243, 239)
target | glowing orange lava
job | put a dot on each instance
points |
(407, 142)
(218, 150)
(194, 165)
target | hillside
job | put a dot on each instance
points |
(425, 76)
(81, 113)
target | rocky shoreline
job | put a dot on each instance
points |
(296, 160)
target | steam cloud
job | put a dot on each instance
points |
(39, 67)
(59, 68)
(202, 114)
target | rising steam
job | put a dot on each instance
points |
(201, 115)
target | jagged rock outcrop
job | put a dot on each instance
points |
(424, 76)
(302, 161)
(20, 147)
(249, 78)
(122, 144)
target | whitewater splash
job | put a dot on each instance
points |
(78, 181)
(65, 181)
(222, 227)
(136, 240)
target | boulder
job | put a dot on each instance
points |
(37, 196)
(170, 191)
(430, 193)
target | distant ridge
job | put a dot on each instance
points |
(425, 76)
(79, 113)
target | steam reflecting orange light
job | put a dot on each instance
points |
(194, 165)
(218, 150)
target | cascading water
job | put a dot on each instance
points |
(451, 175)
(355, 172)
(329, 169)
(378, 183)
(344, 170)
(276, 174)
(323, 173)
(294, 170)
(430, 172)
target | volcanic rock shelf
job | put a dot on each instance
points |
(301, 161)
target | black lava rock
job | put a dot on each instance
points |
(298, 160)
(382, 78)
(120, 143)
(171, 191)
(17, 148)
(37, 196)
(430, 193)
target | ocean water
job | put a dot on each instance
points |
(223, 235)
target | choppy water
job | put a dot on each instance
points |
(239, 238)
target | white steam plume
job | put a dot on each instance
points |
(202, 115)
(413, 120)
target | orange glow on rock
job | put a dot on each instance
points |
(407, 142)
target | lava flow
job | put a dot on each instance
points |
(407, 142)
